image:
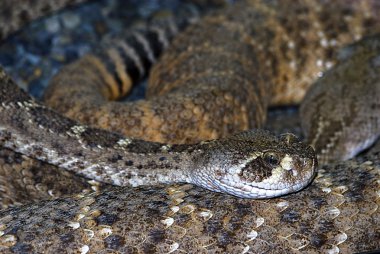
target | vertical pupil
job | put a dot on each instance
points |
(272, 159)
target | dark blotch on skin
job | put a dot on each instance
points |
(107, 219)
(38, 151)
(152, 212)
(79, 154)
(176, 159)
(182, 218)
(148, 191)
(149, 248)
(318, 240)
(140, 146)
(157, 236)
(30, 236)
(115, 158)
(290, 216)
(155, 204)
(235, 224)
(114, 242)
(15, 159)
(129, 163)
(94, 137)
(355, 191)
(67, 238)
(22, 248)
(326, 226)
(225, 238)
(243, 209)
(13, 231)
(43, 116)
(213, 227)
(319, 202)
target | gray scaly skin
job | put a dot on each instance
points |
(338, 212)
(328, 123)
(253, 164)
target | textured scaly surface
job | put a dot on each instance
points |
(273, 50)
(338, 212)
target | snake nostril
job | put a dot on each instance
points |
(292, 171)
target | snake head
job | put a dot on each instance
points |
(255, 164)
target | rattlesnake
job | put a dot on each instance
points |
(335, 213)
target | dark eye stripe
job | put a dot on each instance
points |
(272, 159)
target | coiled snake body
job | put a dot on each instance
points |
(265, 47)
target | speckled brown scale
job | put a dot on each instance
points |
(332, 212)
(26, 180)
(328, 125)
(272, 58)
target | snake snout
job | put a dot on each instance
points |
(300, 166)
(306, 167)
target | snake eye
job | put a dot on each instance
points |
(272, 158)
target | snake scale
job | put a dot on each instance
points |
(281, 44)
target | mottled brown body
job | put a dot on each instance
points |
(24, 180)
(338, 212)
(328, 123)
(220, 75)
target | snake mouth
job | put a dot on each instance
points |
(251, 191)
(255, 192)
(284, 180)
